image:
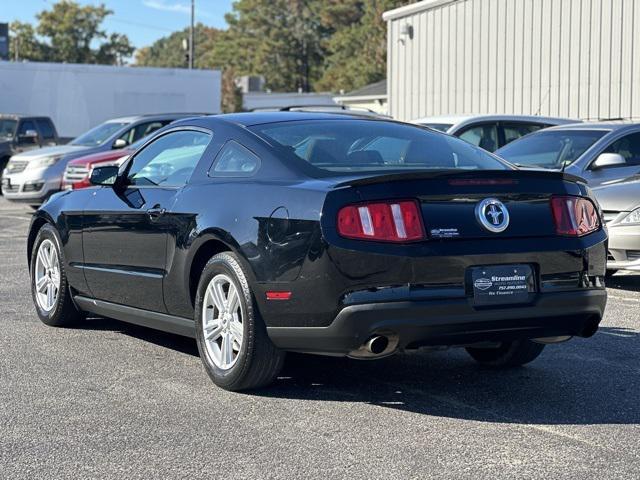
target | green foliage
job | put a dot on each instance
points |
(169, 52)
(321, 45)
(231, 94)
(358, 52)
(67, 33)
(280, 39)
(24, 44)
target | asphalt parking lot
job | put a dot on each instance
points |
(110, 400)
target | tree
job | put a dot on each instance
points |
(358, 52)
(281, 40)
(115, 50)
(310, 45)
(68, 33)
(169, 52)
(24, 44)
(231, 94)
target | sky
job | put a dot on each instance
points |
(143, 21)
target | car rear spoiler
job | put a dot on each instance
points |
(458, 174)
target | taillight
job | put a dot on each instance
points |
(574, 216)
(389, 221)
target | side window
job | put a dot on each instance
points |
(234, 160)
(513, 131)
(139, 131)
(628, 147)
(23, 129)
(26, 126)
(170, 160)
(484, 136)
(46, 129)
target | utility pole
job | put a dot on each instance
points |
(191, 35)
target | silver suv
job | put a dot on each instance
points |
(33, 176)
(491, 132)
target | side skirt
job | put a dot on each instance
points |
(137, 316)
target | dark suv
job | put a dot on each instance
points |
(19, 133)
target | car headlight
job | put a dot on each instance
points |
(633, 217)
(44, 161)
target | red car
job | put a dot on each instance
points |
(78, 171)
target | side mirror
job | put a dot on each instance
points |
(120, 143)
(104, 175)
(608, 160)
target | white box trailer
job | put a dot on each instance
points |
(78, 97)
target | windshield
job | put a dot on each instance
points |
(98, 135)
(378, 146)
(7, 127)
(550, 149)
(441, 127)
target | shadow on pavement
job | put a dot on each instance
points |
(626, 281)
(582, 382)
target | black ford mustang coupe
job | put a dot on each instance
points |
(263, 233)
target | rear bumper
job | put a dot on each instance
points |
(448, 322)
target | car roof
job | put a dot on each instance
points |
(259, 118)
(608, 125)
(154, 116)
(458, 119)
(21, 116)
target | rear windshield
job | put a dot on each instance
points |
(374, 146)
(551, 148)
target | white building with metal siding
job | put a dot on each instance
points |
(568, 58)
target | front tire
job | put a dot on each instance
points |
(231, 336)
(508, 355)
(49, 286)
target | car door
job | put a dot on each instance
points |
(126, 227)
(629, 147)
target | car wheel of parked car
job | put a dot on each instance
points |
(49, 286)
(509, 354)
(232, 338)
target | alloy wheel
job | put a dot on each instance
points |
(46, 276)
(222, 324)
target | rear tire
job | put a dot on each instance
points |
(57, 310)
(508, 355)
(231, 336)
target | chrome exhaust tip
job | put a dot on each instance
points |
(377, 344)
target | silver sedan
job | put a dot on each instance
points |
(620, 203)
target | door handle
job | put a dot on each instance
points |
(156, 212)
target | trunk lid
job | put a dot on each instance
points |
(453, 204)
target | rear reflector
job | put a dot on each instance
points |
(574, 216)
(390, 221)
(278, 295)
